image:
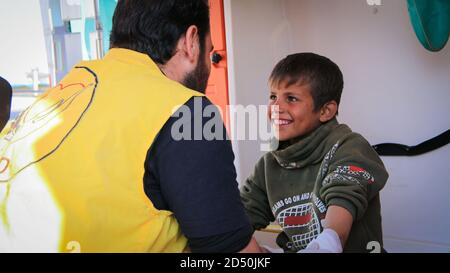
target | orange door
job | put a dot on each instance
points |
(217, 90)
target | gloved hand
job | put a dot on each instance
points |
(327, 242)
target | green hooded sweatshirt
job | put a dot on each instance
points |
(295, 185)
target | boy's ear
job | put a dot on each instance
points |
(328, 111)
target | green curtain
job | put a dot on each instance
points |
(431, 22)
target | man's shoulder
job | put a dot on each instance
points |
(137, 75)
(176, 87)
(198, 100)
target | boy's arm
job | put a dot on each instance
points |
(336, 228)
(256, 203)
(340, 220)
(255, 200)
(355, 176)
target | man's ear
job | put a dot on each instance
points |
(191, 45)
(328, 111)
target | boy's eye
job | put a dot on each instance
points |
(291, 99)
(273, 97)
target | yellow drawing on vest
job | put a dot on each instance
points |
(54, 115)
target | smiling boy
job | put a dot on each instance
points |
(322, 183)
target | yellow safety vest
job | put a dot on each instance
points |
(72, 166)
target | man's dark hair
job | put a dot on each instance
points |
(5, 102)
(153, 27)
(323, 76)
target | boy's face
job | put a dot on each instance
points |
(295, 115)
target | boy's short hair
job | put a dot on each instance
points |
(324, 76)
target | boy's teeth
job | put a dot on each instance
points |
(281, 122)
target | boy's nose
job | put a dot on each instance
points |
(276, 109)
(280, 103)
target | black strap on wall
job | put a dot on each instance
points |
(393, 149)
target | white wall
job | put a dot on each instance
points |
(256, 38)
(395, 91)
(22, 44)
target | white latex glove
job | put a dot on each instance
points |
(327, 242)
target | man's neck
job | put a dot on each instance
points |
(168, 69)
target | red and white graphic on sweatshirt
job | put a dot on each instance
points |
(297, 217)
(355, 171)
(349, 173)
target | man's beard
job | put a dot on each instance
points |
(198, 79)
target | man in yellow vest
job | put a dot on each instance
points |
(93, 164)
